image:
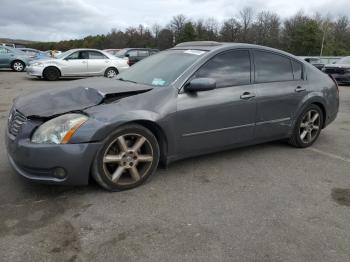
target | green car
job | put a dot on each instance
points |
(13, 58)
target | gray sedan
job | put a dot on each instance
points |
(78, 63)
(193, 99)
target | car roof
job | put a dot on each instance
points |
(137, 48)
(212, 45)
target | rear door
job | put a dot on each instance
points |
(97, 63)
(76, 64)
(221, 117)
(280, 87)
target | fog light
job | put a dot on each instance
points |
(59, 173)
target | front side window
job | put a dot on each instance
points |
(96, 55)
(270, 67)
(228, 69)
(132, 53)
(73, 56)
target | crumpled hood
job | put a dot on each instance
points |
(74, 96)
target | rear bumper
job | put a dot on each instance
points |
(47, 162)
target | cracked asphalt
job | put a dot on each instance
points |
(269, 202)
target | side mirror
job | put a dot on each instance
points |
(200, 84)
(127, 55)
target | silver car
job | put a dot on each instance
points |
(78, 63)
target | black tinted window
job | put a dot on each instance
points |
(271, 67)
(297, 70)
(228, 69)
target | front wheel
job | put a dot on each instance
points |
(127, 158)
(308, 127)
(51, 74)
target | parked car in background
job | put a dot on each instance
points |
(316, 62)
(340, 70)
(34, 53)
(195, 98)
(78, 63)
(12, 45)
(13, 58)
(133, 55)
(112, 51)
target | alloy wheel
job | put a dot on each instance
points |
(111, 73)
(310, 126)
(18, 66)
(127, 159)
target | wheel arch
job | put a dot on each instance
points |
(159, 134)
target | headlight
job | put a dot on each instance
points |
(38, 64)
(58, 130)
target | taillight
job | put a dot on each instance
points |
(335, 82)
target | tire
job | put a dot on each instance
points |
(308, 127)
(51, 73)
(18, 66)
(131, 147)
(111, 72)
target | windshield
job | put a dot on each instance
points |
(344, 60)
(62, 54)
(161, 69)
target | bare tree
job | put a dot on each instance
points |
(246, 17)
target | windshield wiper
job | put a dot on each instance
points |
(126, 80)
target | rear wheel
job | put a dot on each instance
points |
(308, 127)
(127, 158)
(111, 72)
(18, 66)
(51, 74)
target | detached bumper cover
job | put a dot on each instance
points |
(38, 162)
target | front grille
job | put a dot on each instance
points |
(334, 71)
(15, 122)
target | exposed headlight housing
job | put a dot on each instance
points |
(58, 130)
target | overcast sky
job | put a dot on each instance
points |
(52, 20)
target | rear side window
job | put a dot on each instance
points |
(228, 69)
(3, 50)
(297, 70)
(271, 67)
(96, 55)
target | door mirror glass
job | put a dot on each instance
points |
(200, 84)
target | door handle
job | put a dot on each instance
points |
(83, 62)
(300, 89)
(247, 95)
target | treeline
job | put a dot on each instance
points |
(300, 34)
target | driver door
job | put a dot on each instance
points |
(76, 64)
(222, 117)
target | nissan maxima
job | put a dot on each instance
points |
(193, 99)
(78, 63)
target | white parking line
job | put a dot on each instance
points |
(331, 155)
